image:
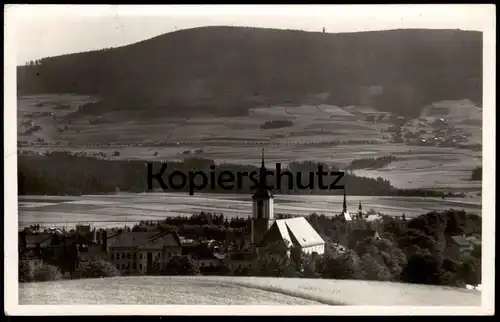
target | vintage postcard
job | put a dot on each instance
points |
(306, 160)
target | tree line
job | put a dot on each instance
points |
(371, 163)
(61, 173)
(477, 174)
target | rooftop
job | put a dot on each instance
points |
(461, 240)
(297, 231)
(144, 240)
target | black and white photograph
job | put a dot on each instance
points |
(235, 159)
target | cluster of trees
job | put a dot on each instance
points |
(203, 225)
(95, 268)
(276, 124)
(89, 268)
(477, 174)
(38, 273)
(411, 253)
(414, 254)
(371, 163)
(61, 173)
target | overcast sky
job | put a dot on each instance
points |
(50, 30)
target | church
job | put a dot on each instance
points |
(292, 233)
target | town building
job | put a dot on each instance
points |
(32, 247)
(143, 252)
(461, 245)
(241, 260)
(203, 257)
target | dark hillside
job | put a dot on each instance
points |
(228, 69)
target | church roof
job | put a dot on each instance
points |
(345, 214)
(373, 217)
(298, 232)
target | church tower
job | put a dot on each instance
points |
(262, 207)
(345, 213)
(360, 211)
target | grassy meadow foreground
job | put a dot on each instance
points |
(241, 291)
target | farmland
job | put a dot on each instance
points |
(120, 209)
(202, 290)
(321, 132)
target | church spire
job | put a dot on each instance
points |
(345, 213)
(262, 165)
(344, 206)
(262, 177)
(262, 192)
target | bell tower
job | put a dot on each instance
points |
(262, 206)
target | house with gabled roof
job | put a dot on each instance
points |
(32, 241)
(459, 245)
(32, 247)
(241, 260)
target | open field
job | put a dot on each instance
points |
(239, 139)
(310, 124)
(113, 210)
(155, 291)
(205, 290)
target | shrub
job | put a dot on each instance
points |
(276, 124)
(96, 268)
(180, 265)
(470, 272)
(422, 269)
(26, 272)
(477, 174)
(375, 269)
(44, 272)
(345, 266)
(274, 266)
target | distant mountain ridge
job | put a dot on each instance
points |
(226, 70)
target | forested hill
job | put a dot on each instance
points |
(226, 70)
